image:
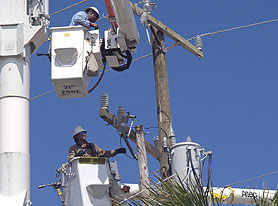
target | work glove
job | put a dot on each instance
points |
(94, 25)
(121, 150)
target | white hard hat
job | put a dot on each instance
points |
(77, 130)
(92, 8)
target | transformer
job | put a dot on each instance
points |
(186, 160)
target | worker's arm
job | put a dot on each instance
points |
(103, 153)
(80, 18)
(71, 153)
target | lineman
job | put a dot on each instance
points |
(86, 18)
(85, 149)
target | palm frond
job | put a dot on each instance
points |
(172, 192)
(275, 198)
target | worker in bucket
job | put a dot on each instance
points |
(86, 18)
(84, 149)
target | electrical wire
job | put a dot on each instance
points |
(253, 178)
(108, 70)
(192, 38)
(166, 179)
(209, 173)
(142, 57)
(100, 78)
(73, 5)
(35, 97)
(164, 131)
(156, 37)
(104, 17)
(151, 127)
(145, 56)
(125, 66)
(112, 129)
(232, 29)
(68, 7)
(125, 153)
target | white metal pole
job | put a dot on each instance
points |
(14, 129)
(20, 36)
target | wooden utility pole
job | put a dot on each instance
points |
(162, 97)
(161, 80)
(142, 158)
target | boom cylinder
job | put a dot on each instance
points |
(126, 22)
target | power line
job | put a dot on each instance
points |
(104, 17)
(253, 178)
(147, 55)
(43, 94)
(73, 5)
(68, 7)
(232, 29)
(142, 57)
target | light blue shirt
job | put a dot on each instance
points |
(80, 18)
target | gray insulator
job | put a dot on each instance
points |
(121, 114)
(165, 145)
(156, 142)
(199, 43)
(164, 142)
(173, 140)
(172, 136)
(144, 18)
(146, 11)
(188, 139)
(104, 100)
(147, 6)
(122, 129)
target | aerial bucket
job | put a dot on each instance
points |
(75, 58)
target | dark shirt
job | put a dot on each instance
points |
(91, 150)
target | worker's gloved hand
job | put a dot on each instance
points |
(94, 25)
(121, 150)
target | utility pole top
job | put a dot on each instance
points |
(112, 120)
(169, 32)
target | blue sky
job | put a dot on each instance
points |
(226, 102)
